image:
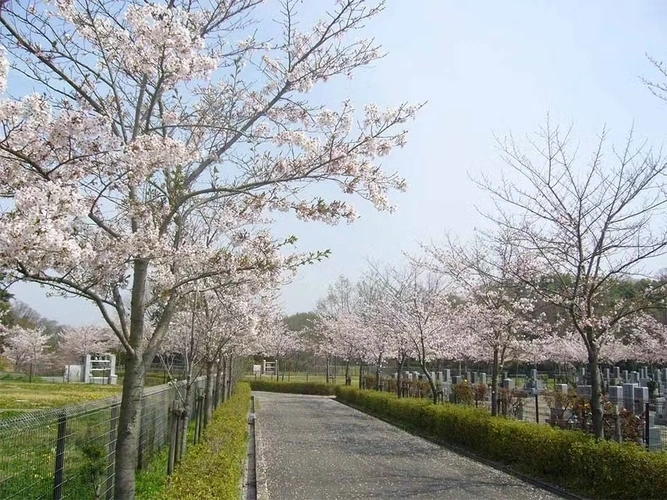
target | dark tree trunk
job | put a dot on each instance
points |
(494, 382)
(223, 387)
(208, 393)
(596, 393)
(399, 377)
(218, 381)
(377, 373)
(230, 376)
(361, 375)
(128, 428)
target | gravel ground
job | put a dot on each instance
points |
(314, 448)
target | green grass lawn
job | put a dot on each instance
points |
(17, 395)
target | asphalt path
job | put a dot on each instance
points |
(314, 448)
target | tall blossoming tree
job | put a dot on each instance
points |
(26, 348)
(587, 226)
(497, 309)
(129, 120)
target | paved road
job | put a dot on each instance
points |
(313, 448)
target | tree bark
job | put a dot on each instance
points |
(399, 377)
(377, 373)
(596, 393)
(348, 379)
(128, 428)
(208, 393)
(223, 386)
(129, 420)
(431, 382)
(361, 374)
(218, 381)
(228, 388)
(494, 383)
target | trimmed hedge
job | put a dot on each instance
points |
(212, 470)
(570, 459)
(312, 388)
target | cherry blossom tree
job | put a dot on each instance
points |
(585, 229)
(139, 118)
(498, 310)
(75, 343)
(417, 301)
(339, 324)
(26, 347)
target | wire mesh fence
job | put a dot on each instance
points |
(68, 453)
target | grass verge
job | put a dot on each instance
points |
(212, 470)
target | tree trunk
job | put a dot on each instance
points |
(361, 374)
(218, 380)
(348, 379)
(494, 383)
(327, 368)
(223, 386)
(399, 377)
(228, 387)
(129, 418)
(596, 393)
(208, 393)
(129, 422)
(431, 382)
(184, 420)
(377, 373)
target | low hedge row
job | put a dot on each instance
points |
(312, 388)
(212, 470)
(570, 459)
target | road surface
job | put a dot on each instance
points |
(314, 448)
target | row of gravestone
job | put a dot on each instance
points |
(616, 376)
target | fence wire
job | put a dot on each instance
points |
(68, 453)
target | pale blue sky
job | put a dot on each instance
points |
(485, 68)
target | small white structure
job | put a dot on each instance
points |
(269, 367)
(96, 369)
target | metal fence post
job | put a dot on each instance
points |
(60, 457)
(111, 467)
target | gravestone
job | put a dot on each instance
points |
(469, 376)
(482, 378)
(616, 394)
(626, 376)
(508, 384)
(640, 396)
(607, 373)
(561, 388)
(585, 391)
(438, 376)
(456, 379)
(617, 372)
(447, 375)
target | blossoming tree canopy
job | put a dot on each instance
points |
(128, 126)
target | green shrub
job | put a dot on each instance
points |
(212, 470)
(312, 388)
(571, 459)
